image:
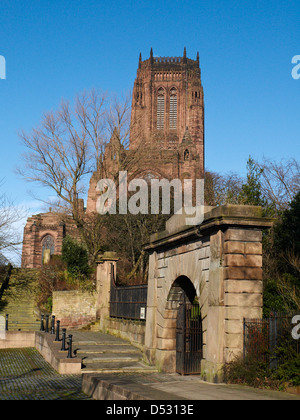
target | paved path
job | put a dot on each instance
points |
(116, 363)
(24, 375)
(167, 387)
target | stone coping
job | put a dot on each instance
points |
(214, 218)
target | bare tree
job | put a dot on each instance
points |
(222, 189)
(91, 111)
(280, 181)
(9, 237)
(65, 147)
(74, 142)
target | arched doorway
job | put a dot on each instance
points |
(189, 335)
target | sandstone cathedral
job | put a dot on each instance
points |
(166, 133)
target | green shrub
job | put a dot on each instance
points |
(273, 299)
(253, 372)
(76, 257)
(250, 372)
(288, 370)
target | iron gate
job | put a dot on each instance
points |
(189, 342)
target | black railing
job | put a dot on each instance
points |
(264, 339)
(128, 302)
(43, 326)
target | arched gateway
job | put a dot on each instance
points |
(184, 303)
(217, 266)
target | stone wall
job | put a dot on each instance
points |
(131, 330)
(74, 309)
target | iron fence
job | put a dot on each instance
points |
(128, 302)
(270, 340)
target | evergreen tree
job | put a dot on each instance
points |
(287, 239)
(282, 262)
(251, 193)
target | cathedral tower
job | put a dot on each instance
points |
(167, 100)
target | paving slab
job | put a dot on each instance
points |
(25, 375)
(106, 375)
(173, 387)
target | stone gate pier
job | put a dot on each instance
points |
(218, 263)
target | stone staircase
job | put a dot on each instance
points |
(22, 314)
(102, 353)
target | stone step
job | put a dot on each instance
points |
(100, 343)
(117, 367)
(14, 326)
(21, 315)
(118, 371)
(110, 358)
(102, 349)
(103, 353)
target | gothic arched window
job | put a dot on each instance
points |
(173, 109)
(48, 246)
(160, 109)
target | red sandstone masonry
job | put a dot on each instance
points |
(243, 235)
(243, 260)
(39, 226)
(241, 273)
(242, 284)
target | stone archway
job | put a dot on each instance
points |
(219, 261)
(183, 303)
(165, 315)
(181, 291)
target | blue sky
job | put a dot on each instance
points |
(55, 49)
